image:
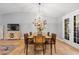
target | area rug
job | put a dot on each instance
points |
(6, 49)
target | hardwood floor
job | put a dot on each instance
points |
(65, 49)
(62, 48)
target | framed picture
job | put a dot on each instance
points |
(13, 27)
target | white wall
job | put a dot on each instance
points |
(25, 20)
(0, 19)
(1, 28)
(61, 30)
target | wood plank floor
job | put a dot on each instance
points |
(62, 48)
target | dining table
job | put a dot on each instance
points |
(46, 37)
(32, 36)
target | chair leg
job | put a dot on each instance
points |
(27, 50)
(34, 49)
(55, 47)
(24, 49)
(51, 48)
(43, 49)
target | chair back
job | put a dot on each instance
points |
(53, 38)
(39, 39)
(30, 33)
(26, 38)
(48, 33)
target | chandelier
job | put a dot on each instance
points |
(39, 23)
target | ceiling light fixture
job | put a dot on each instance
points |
(39, 22)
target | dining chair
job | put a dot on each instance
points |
(30, 33)
(47, 41)
(39, 44)
(26, 43)
(48, 33)
(30, 41)
(53, 41)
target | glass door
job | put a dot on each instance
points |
(76, 29)
(66, 29)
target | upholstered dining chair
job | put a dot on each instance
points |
(30, 41)
(53, 41)
(47, 41)
(39, 43)
(30, 33)
(26, 43)
(48, 33)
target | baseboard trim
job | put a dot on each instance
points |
(68, 44)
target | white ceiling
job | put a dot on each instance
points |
(53, 10)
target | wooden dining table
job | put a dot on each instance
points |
(32, 36)
(46, 37)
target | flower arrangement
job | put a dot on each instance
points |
(40, 25)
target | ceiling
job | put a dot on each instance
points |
(46, 9)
